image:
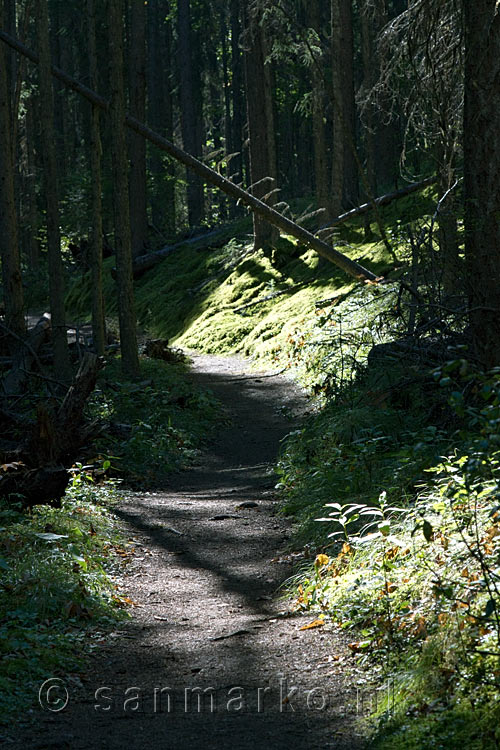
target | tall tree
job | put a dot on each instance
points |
(237, 92)
(9, 247)
(481, 170)
(260, 119)
(98, 321)
(321, 172)
(160, 113)
(56, 271)
(190, 125)
(33, 219)
(123, 247)
(137, 75)
(338, 115)
(344, 170)
(10, 58)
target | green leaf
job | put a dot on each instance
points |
(81, 561)
(446, 591)
(51, 537)
(384, 528)
(490, 607)
(427, 531)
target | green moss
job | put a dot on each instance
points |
(192, 297)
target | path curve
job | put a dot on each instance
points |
(211, 657)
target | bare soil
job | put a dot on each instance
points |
(211, 657)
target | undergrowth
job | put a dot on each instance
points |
(58, 569)
(399, 494)
(155, 425)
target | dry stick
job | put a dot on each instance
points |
(267, 297)
(209, 175)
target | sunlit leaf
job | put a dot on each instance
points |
(49, 537)
(313, 624)
(427, 531)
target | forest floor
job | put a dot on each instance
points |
(208, 623)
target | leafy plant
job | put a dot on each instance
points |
(57, 569)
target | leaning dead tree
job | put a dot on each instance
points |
(349, 266)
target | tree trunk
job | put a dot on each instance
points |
(350, 189)
(237, 94)
(227, 96)
(33, 242)
(481, 170)
(345, 191)
(260, 124)
(138, 212)
(9, 246)
(56, 279)
(318, 118)
(14, 381)
(10, 62)
(98, 321)
(370, 74)
(123, 250)
(160, 114)
(336, 203)
(189, 125)
(381, 136)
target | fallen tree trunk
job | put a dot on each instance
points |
(219, 237)
(383, 200)
(209, 175)
(215, 238)
(61, 435)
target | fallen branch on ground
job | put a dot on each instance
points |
(258, 301)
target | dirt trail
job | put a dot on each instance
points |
(209, 625)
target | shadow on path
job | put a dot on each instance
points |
(209, 659)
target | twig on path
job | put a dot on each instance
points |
(250, 377)
(231, 635)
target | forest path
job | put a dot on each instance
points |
(208, 617)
